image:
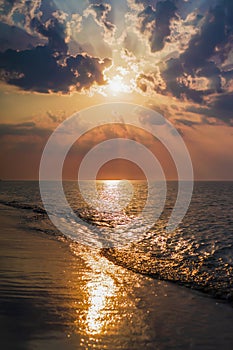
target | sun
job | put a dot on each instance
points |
(117, 85)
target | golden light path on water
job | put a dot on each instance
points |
(104, 287)
(103, 305)
(106, 303)
(100, 290)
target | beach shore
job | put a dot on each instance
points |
(59, 295)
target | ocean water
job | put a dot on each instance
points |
(198, 254)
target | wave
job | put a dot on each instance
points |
(194, 274)
(17, 205)
(206, 273)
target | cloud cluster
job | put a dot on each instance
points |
(50, 67)
(203, 57)
(19, 11)
(199, 72)
(177, 48)
(202, 72)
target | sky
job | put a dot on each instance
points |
(172, 56)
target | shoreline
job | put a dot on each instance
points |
(117, 258)
(58, 295)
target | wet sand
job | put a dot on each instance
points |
(57, 295)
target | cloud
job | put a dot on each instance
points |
(55, 31)
(192, 43)
(219, 107)
(187, 122)
(151, 81)
(56, 118)
(156, 19)
(38, 70)
(20, 12)
(198, 71)
(50, 68)
(87, 70)
(202, 66)
(17, 39)
(24, 129)
(224, 103)
(100, 12)
(203, 45)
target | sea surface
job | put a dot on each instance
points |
(198, 254)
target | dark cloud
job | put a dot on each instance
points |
(220, 107)
(55, 31)
(101, 11)
(35, 70)
(39, 70)
(202, 46)
(16, 38)
(87, 70)
(146, 2)
(224, 103)
(194, 21)
(213, 73)
(50, 68)
(158, 18)
(187, 122)
(19, 12)
(24, 129)
(47, 9)
(203, 57)
(179, 87)
(199, 110)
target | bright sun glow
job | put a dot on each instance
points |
(117, 85)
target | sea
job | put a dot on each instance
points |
(198, 254)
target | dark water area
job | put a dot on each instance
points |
(198, 254)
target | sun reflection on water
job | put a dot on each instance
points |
(104, 301)
(114, 195)
(99, 290)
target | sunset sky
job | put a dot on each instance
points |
(173, 56)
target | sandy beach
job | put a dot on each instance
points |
(58, 295)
